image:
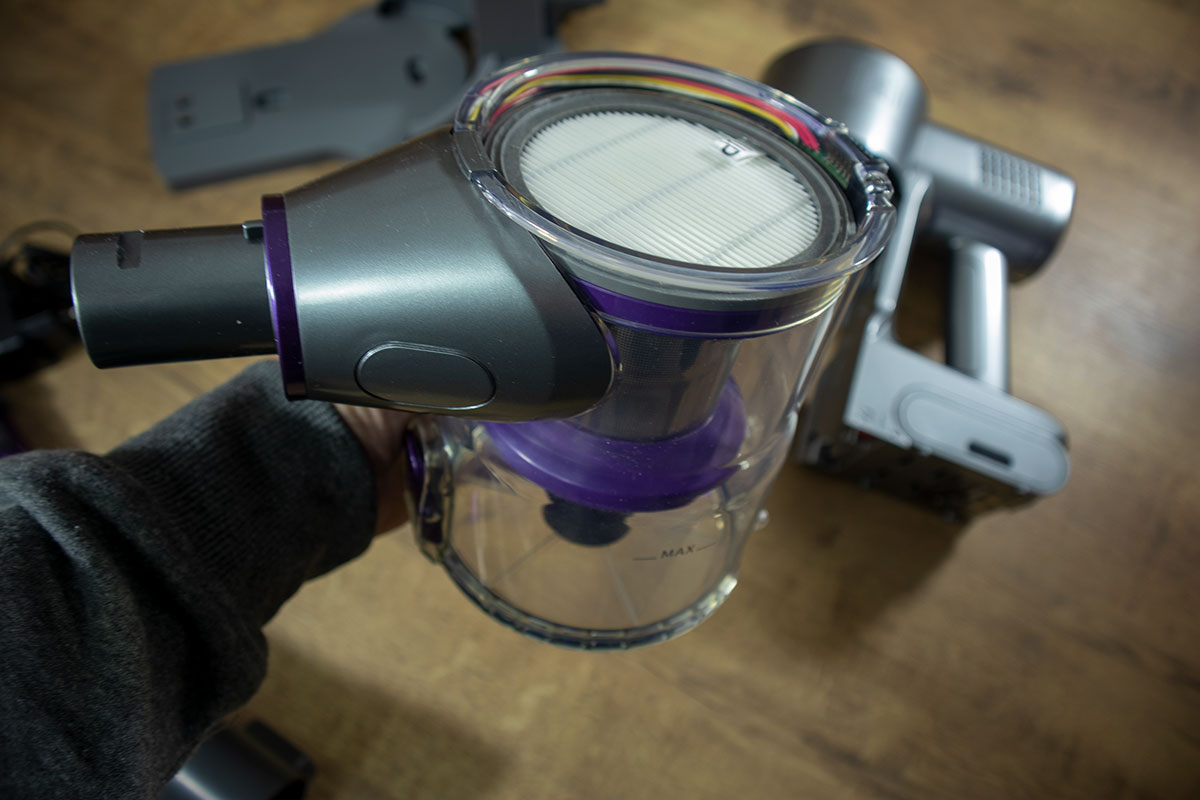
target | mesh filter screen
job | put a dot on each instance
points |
(669, 188)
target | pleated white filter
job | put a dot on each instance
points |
(669, 188)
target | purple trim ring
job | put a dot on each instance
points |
(416, 463)
(693, 322)
(624, 475)
(282, 294)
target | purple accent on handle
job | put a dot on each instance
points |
(693, 322)
(282, 294)
(622, 475)
(416, 464)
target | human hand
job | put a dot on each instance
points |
(381, 433)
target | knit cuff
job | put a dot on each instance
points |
(262, 493)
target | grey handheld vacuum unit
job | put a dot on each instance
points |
(947, 435)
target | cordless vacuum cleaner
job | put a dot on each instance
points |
(607, 283)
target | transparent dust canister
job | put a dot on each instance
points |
(711, 225)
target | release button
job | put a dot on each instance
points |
(425, 377)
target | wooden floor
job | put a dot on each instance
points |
(870, 650)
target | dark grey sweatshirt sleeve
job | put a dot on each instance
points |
(133, 586)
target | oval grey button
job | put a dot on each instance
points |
(424, 377)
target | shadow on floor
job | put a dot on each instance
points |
(835, 557)
(29, 413)
(366, 743)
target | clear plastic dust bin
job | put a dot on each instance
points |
(710, 224)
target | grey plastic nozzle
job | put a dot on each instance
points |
(145, 297)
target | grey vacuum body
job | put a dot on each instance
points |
(949, 435)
